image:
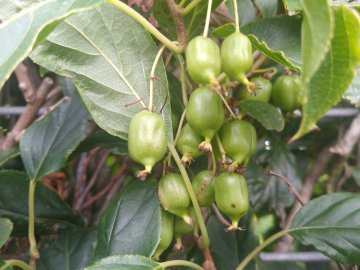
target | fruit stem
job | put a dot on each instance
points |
(190, 7)
(271, 70)
(183, 81)
(179, 263)
(221, 148)
(226, 104)
(213, 171)
(34, 253)
(182, 3)
(207, 22)
(237, 25)
(17, 263)
(152, 78)
(189, 188)
(171, 45)
(253, 253)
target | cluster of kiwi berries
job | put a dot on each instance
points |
(206, 117)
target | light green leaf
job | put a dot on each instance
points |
(131, 224)
(73, 246)
(223, 31)
(292, 6)
(125, 262)
(278, 38)
(109, 57)
(266, 114)
(18, 34)
(353, 92)
(331, 223)
(317, 31)
(47, 143)
(6, 227)
(327, 85)
(267, 8)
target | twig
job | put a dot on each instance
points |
(100, 164)
(292, 188)
(107, 188)
(29, 80)
(258, 63)
(220, 217)
(179, 21)
(28, 116)
(348, 141)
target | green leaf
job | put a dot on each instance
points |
(353, 92)
(9, 154)
(10, 7)
(331, 223)
(223, 31)
(49, 208)
(6, 227)
(177, 105)
(72, 250)
(109, 57)
(19, 33)
(266, 114)
(125, 262)
(194, 21)
(292, 6)
(47, 143)
(104, 140)
(326, 86)
(278, 38)
(223, 245)
(267, 8)
(246, 10)
(131, 224)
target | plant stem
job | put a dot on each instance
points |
(172, 46)
(182, 3)
(152, 78)
(226, 104)
(207, 22)
(181, 263)
(253, 253)
(190, 7)
(183, 81)
(236, 13)
(17, 263)
(34, 253)
(213, 163)
(191, 193)
(221, 147)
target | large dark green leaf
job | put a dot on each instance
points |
(269, 190)
(19, 34)
(47, 143)
(6, 227)
(49, 208)
(278, 38)
(266, 114)
(72, 250)
(330, 67)
(109, 57)
(125, 262)
(331, 224)
(246, 10)
(131, 224)
(223, 245)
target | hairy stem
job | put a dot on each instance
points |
(189, 188)
(181, 263)
(236, 13)
(173, 46)
(152, 78)
(34, 253)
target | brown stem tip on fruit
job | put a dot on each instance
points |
(187, 219)
(205, 146)
(143, 174)
(186, 159)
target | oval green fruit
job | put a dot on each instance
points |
(231, 196)
(203, 185)
(286, 92)
(203, 59)
(181, 228)
(166, 233)
(263, 90)
(239, 139)
(174, 196)
(205, 112)
(144, 127)
(188, 144)
(236, 57)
